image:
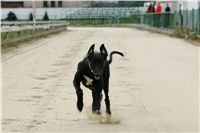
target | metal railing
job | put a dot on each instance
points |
(189, 19)
(23, 23)
(162, 20)
(24, 34)
(101, 16)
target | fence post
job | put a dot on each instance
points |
(199, 20)
(192, 19)
(141, 19)
(187, 17)
(175, 20)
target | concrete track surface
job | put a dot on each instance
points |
(154, 88)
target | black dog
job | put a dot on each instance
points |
(94, 72)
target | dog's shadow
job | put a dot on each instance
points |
(102, 118)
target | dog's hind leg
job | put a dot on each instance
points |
(107, 101)
(106, 87)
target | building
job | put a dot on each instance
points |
(43, 4)
(12, 4)
(54, 4)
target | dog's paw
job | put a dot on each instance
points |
(98, 112)
(108, 112)
(79, 105)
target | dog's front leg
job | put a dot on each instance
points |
(97, 97)
(79, 92)
(96, 104)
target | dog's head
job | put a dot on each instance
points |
(97, 60)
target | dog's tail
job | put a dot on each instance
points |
(114, 52)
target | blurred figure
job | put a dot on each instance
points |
(150, 8)
(167, 16)
(153, 7)
(159, 8)
(158, 15)
(167, 9)
(153, 11)
(180, 15)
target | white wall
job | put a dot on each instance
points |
(189, 4)
(23, 13)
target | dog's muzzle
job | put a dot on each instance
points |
(97, 76)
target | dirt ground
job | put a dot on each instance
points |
(154, 88)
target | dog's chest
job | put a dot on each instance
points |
(88, 80)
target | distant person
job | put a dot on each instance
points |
(180, 16)
(150, 8)
(167, 9)
(158, 15)
(159, 8)
(154, 7)
(153, 11)
(167, 16)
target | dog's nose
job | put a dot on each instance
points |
(97, 74)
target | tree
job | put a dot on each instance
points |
(11, 16)
(46, 17)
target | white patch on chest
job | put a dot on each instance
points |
(88, 80)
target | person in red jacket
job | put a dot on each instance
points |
(158, 15)
(159, 8)
(149, 10)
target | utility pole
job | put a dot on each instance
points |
(199, 14)
(34, 13)
(199, 5)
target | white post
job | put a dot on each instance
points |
(198, 3)
(34, 13)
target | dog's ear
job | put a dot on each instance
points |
(91, 50)
(103, 50)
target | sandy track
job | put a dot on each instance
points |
(153, 88)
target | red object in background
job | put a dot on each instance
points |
(150, 8)
(159, 8)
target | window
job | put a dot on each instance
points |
(45, 3)
(53, 4)
(60, 4)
